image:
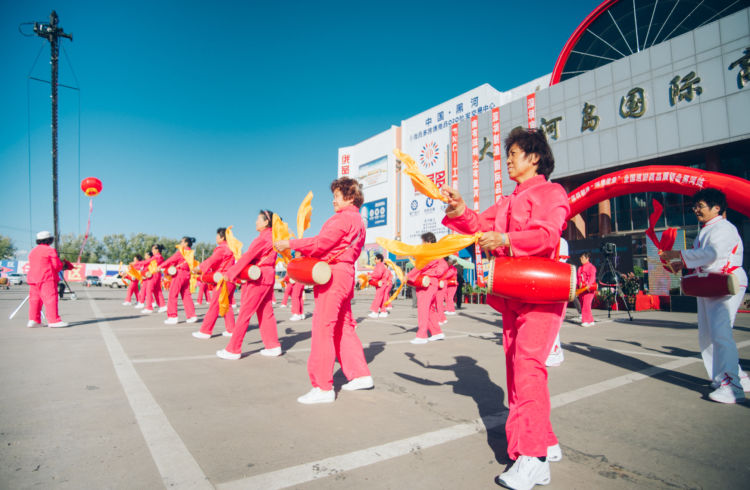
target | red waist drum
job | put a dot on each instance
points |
(451, 282)
(250, 273)
(532, 279)
(420, 282)
(309, 271)
(710, 284)
(377, 284)
(172, 270)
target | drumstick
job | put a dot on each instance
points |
(19, 307)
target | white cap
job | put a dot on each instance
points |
(43, 234)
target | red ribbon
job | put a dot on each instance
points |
(668, 236)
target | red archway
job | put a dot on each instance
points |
(660, 178)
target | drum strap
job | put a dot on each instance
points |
(332, 260)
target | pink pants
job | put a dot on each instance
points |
(213, 312)
(297, 306)
(381, 295)
(440, 299)
(44, 293)
(141, 296)
(450, 302)
(287, 292)
(180, 287)
(427, 315)
(256, 299)
(132, 290)
(586, 301)
(333, 331)
(529, 331)
(153, 292)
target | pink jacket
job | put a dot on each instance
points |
(260, 253)
(451, 273)
(44, 265)
(586, 275)
(435, 268)
(534, 217)
(220, 260)
(342, 236)
(381, 272)
(178, 261)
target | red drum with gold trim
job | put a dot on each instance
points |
(451, 282)
(420, 282)
(250, 273)
(172, 270)
(309, 271)
(148, 275)
(377, 284)
(441, 284)
(710, 284)
(532, 280)
(211, 278)
(584, 289)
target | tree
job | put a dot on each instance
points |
(7, 249)
(70, 245)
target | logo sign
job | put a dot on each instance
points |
(375, 212)
(428, 155)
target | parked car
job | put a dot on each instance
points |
(15, 279)
(93, 281)
(113, 281)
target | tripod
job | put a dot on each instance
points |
(609, 268)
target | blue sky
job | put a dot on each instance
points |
(197, 115)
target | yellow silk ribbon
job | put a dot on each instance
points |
(425, 253)
(234, 245)
(153, 267)
(420, 181)
(189, 256)
(303, 214)
(400, 275)
(365, 281)
(221, 288)
(280, 231)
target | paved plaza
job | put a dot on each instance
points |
(120, 400)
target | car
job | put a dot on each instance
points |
(15, 279)
(93, 281)
(113, 281)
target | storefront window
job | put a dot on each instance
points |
(640, 210)
(622, 213)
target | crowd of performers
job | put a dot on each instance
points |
(527, 223)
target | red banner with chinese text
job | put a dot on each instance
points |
(345, 162)
(454, 156)
(497, 153)
(475, 190)
(531, 110)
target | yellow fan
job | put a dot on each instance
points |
(303, 214)
(418, 179)
(427, 252)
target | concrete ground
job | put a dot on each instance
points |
(120, 400)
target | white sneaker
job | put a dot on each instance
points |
(201, 335)
(373, 315)
(443, 322)
(58, 325)
(361, 383)
(146, 311)
(226, 334)
(590, 324)
(33, 324)
(127, 303)
(282, 306)
(192, 319)
(162, 309)
(276, 351)
(316, 395)
(383, 314)
(418, 340)
(439, 336)
(224, 354)
(234, 307)
(554, 453)
(526, 472)
(138, 306)
(555, 359)
(296, 318)
(172, 320)
(723, 394)
(449, 312)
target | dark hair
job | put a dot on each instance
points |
(268, 214)
(712, 197)
(222, 232)
(189, 240)
(350, 189)
(532, 141)
(158, 246)
(379, 256)
(138, 256)
(586, 254)
(148, 252)
(429, 237)
(45, 241)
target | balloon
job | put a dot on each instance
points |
(660, 178)
(91, 186)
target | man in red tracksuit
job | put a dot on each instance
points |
(43, 276)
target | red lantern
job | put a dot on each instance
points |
(91, 186)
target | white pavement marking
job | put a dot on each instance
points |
(297, 475)
(176, 465)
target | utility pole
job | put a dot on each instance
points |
(51, 32)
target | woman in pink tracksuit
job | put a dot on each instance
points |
(298, 305)
(203, 292)
(287, 291)
(142, 266)
(450, 289)
(383, 275)
(587, 277)
(44, 274)
(220, 260)
(180, 285)
(340, 243)
(152, 284)
(427, 311)
(134, 283)
(529, 222)
(257, 295)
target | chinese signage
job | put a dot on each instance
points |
(374, 172)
